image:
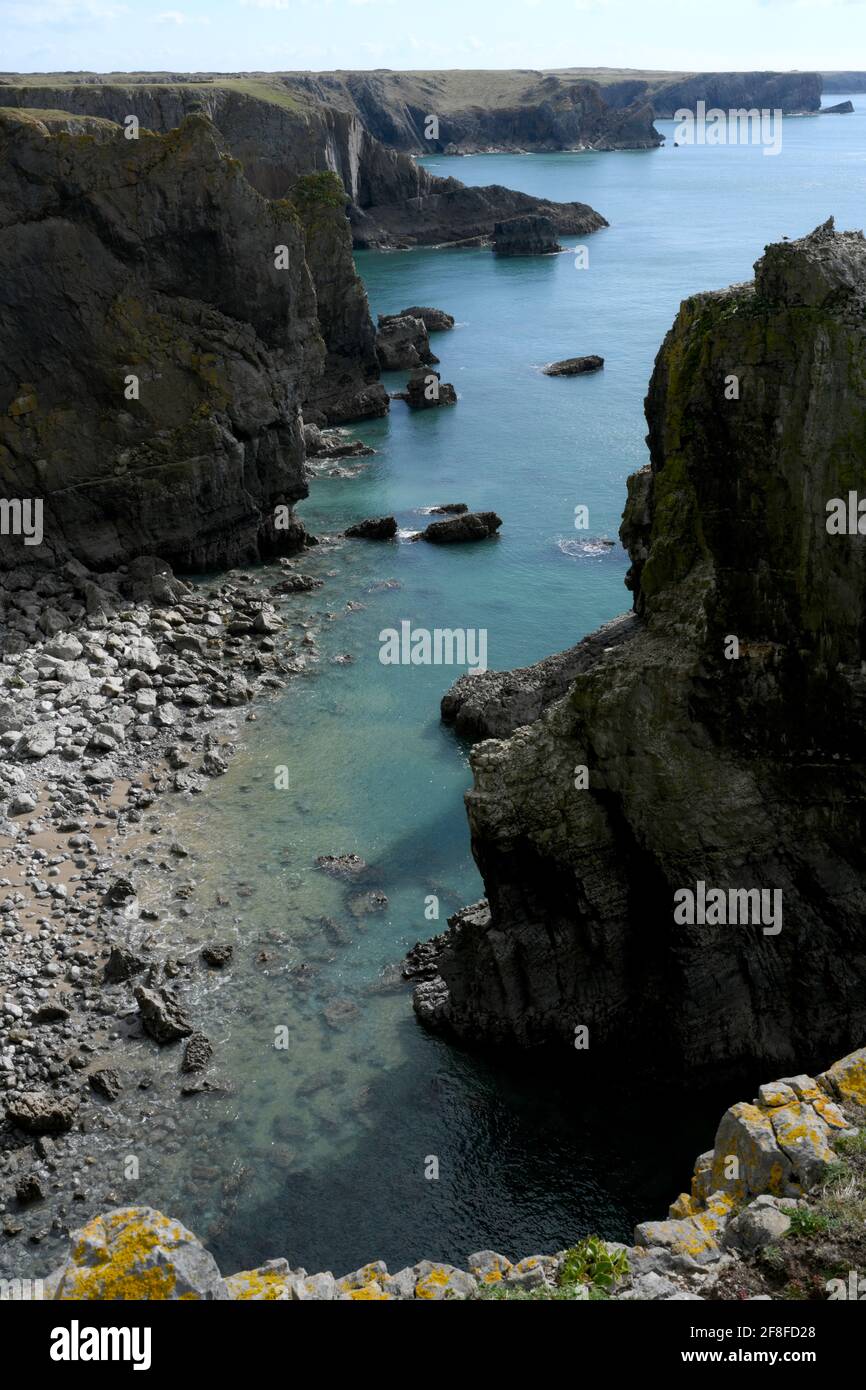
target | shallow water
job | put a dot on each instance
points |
(320, 1153)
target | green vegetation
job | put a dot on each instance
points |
(314, 191)
(591, 1262)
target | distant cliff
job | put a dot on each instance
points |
(283, 128)
(666, 92)
(154, 355)
(714, 740)
(466, 112)
(843, 82)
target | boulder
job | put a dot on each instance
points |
(197, 1053)
(763, 1222)
(121, 965)
(42, 1112)
(375, 528)
(136, 1253)
(106, 1083)
(162, 1015)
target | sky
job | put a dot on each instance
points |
(266, 35)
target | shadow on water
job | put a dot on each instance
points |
(488, 1123)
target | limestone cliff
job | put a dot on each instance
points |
(153, 353)
(735, 765)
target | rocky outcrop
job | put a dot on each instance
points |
(525, 236)
(446, 211)
(768, 1166)
(718, 745)
(402, 342)
(465, 526)
(840, 108)
(434, 320)
(377, 528)
(348, 388)
(158, 334)
(575, 366)
(425, 390)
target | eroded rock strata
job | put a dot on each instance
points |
(742, 773)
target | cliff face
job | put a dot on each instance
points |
(153, 358)
(786, 91)
(665, 92)
(477, 111)
(735, 771)
(283, 128)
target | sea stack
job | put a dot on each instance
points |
(719, 740)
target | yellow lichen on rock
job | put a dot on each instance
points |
(137, 1253)
(847, 1078)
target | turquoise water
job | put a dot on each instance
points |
(322, 1147)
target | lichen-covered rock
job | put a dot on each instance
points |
(762, 1222)
(137, 1253)
(271, 1282)
(435, 1282)
(488, 1267)
(846, 1079)
(696, 1237)
(802, 1136)
(747, 1159)
(694, 745)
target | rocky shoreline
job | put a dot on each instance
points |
(140, 684)
(754, 1197)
